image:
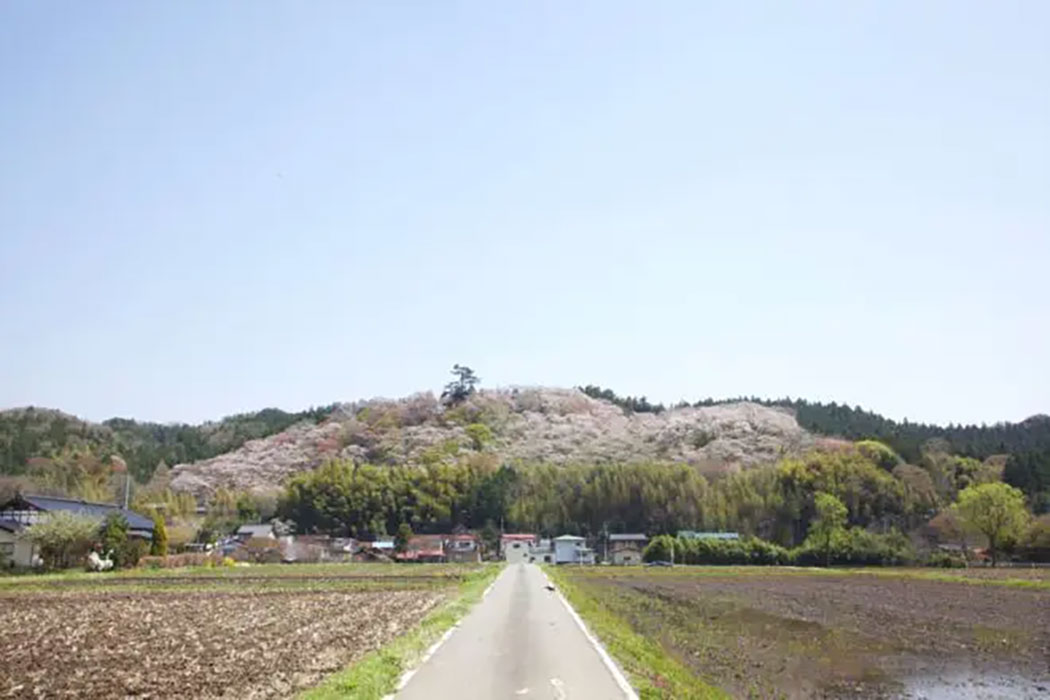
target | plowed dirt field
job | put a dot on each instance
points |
(234, 641)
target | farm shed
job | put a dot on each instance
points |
(27, 510)
(626, 549)
(462, 548)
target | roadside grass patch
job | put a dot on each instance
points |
(651, 670)
(377, 673)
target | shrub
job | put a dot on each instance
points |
(1036, 544)
(114, 536)
(63, 539)
(856, 547)
(709, 551)
(660, 548)
(133, 551)
(479, 434)
(879, 453)
(159, 546)
(125, 551)
(946, 560)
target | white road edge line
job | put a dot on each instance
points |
(610, 664)
(407, 675)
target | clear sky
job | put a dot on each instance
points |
(208, 208)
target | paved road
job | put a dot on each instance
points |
(520, 642)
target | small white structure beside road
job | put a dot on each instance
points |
(570, 549)
(516, 547)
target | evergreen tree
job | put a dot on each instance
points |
(159, 545)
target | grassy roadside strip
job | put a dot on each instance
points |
(651, 670)
(377, 673)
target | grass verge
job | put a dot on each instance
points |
(376, 674)
(651, 670)
(976, 577)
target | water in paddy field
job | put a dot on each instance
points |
(969, 685)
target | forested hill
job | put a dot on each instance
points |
(582, 433)
(26, 433)
(907, 438)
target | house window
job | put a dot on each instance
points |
(517, 545)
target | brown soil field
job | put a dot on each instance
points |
(193, 644)
(795, 635)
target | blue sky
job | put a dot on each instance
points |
(208, 208)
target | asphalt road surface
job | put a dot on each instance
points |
(520, 642)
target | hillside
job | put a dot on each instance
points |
(27, 433)
(528, 425)
(257, 451)
(908, 438)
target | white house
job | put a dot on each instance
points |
(15, 547)
(570, 549)
(516, 547)
(543, 552)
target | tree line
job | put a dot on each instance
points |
(880, 491)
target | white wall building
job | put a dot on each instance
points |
(16, 549)
(516, 547)
(570, 549)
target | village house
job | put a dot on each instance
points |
(22, 511)
(423, 548)
(316, 548)
(543, 552)
(626, 549)
(570, 549)
(255, 532)
(462, 548)
(516, 547)
(16, 549)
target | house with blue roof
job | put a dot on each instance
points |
(23, 511)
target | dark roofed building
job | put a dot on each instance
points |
(26, 510)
